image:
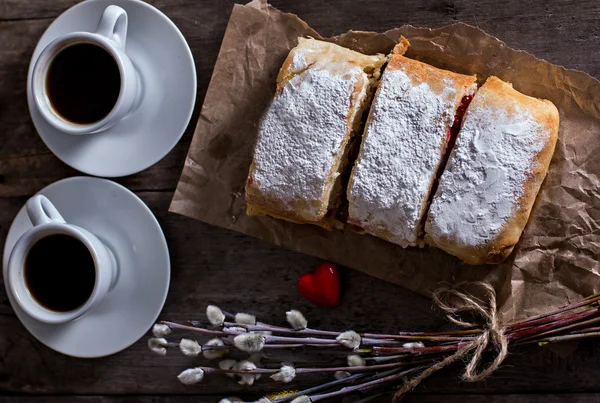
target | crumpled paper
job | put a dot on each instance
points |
(555, 262)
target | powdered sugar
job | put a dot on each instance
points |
(483, 181)
(301, 135)
(299, 59)
(400, 156)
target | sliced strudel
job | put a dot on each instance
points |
(322, 91)
(408, 131)
(487, 191)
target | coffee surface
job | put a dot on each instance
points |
(83, 83)
(60, 272)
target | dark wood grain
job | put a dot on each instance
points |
(26, 164)
(420, 398)
(213, 265)
(555, 30)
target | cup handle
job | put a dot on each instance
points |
(113, 25)
(41, 211)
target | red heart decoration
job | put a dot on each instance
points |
(321, 287)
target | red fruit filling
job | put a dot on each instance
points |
(458, 117)
(451, 136)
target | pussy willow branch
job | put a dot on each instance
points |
(327, 385)
(381, 340)
(387, 359)
(304, 370)
(368, 337)
(367, 385)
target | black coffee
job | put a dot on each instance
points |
(60, 272)
(83, 83)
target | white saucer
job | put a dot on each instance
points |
(121, 220)
(168, 74)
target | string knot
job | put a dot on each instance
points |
(458, 304)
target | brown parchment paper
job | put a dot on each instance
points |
(555, 262)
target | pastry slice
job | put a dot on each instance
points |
(487, 191)
(416, 109)
(322, 91)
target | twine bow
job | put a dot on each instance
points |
(456, 304)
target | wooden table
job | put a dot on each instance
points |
(212, 265)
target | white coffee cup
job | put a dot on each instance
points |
(110, 35)
(47, 221)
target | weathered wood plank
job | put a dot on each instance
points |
(210, 265)
(414, 398)
(555, 30)
(25, 175)
(421, 398)
(20, 10)
(213, 265)
(508, 398)
(26, 164)
(113, 399)
(40, 9)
